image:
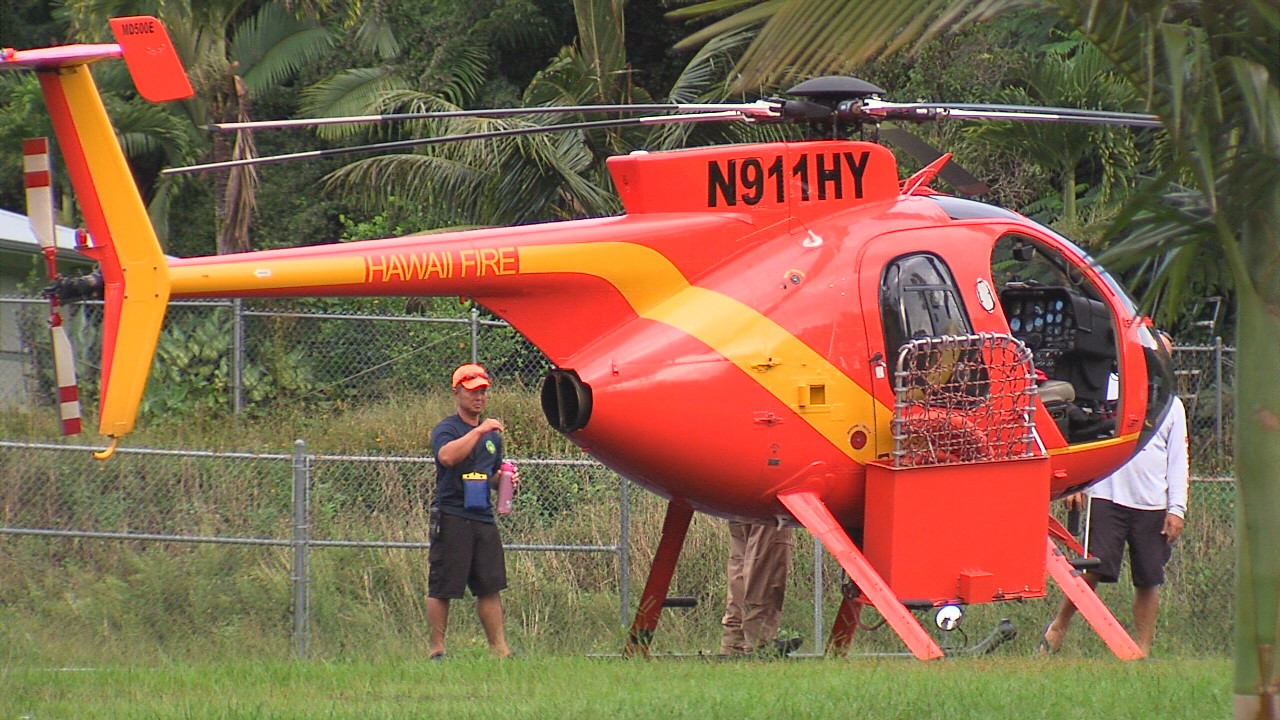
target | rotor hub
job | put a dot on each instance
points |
(834, 89)
(824, 98)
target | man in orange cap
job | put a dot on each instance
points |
(466, 551)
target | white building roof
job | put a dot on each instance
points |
(16, 229)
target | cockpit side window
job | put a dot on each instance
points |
(919, 298)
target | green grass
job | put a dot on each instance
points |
(176, 630)
(580, 687)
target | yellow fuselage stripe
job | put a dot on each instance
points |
(1085, 447)
(657, 291)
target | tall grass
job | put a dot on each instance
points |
(69, 601)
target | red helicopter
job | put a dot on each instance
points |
(911, 376)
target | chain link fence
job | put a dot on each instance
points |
(1206, 384)
(334, 542)
(253, 357)
(202, 552)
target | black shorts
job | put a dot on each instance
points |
(1112, 526)
(468, 554)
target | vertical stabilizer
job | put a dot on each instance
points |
(123, 241)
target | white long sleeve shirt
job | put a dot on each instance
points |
(1157, 477)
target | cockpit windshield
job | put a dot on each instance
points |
(963, 209)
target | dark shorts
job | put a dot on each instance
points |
(468, 554)
(1112, 526)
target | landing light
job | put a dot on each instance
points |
(948, 617)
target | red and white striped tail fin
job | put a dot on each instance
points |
(36, 177)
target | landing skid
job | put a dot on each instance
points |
(1004, 632)
(808, 508)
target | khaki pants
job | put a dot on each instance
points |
(759, 560)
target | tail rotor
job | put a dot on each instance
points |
(36, 177)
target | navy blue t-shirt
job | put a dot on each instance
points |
(474, 470)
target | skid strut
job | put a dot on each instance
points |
(1090, 605)
(674, 528)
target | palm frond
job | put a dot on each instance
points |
(376, 35)
(603, 46)
(753, 14)
(358, 91)
(507, 181)
(802, 38)
(704, 76)
(565, 81)
(462, 74)
(274, 45)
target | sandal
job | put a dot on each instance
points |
(1045, 647)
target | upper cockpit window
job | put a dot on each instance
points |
(1016, 260)
(919, 298)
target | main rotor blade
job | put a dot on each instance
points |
(401, 144)
(916, 147)
(748, 108)
(877, 110)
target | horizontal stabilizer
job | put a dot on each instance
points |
(152, 61)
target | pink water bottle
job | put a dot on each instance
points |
(505, 488)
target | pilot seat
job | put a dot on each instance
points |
(1058, 397)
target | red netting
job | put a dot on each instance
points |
(963, 399)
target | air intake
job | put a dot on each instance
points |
(566, 400)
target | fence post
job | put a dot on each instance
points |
(475, 334)
(301, 537)
(1217, 399)
(818, 551)
(624, 550)
(237, 356)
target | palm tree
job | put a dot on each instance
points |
(1071, 73)
(1213, 76)
(1211, 71)
(520, 179)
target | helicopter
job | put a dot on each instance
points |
(911, 376)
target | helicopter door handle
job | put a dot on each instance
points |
(766, 418)
(765, 365)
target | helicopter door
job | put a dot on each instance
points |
(917, 297)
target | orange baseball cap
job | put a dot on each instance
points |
(471, 377)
